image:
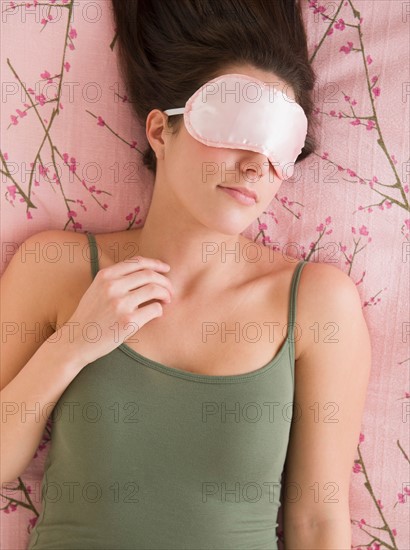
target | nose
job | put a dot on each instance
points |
(255, 165)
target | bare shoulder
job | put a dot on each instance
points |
(326, 294)
(66, 257)
(60, 250)
(59, 261)
(329, 279)
(327, 299)
(55, 245)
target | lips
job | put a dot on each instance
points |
(244, 190)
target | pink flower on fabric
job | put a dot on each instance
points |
(319, 9)
(12, 190)
(73, 164)
(357, 469)
(47, 76)
(10, 508)
(44, 21)
(41, 99)
(43, 170)
(347, 49)
(340, 25)
(373, 181)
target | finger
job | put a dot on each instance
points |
(133, 264)
(147, 313)
(151, 291)
(134, 281)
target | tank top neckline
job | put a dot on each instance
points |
(173, 371)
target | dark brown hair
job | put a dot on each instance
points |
(167, 49)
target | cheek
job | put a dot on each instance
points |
(184, 169)
(201, 163)
(215, 165)
(221, 165)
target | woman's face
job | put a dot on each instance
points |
(189, 173)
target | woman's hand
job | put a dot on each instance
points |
(114, 304)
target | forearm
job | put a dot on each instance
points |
(329, 535)
(29, 399)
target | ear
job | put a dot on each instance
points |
(157, 132)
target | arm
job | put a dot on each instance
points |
(331, 378)
(36, 366)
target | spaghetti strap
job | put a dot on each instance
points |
(94, 254)
(292, 303)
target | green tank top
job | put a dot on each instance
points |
(145, 456)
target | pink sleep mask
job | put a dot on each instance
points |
(240, 112)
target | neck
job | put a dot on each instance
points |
(198, 256)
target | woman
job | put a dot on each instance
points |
(190, 399)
